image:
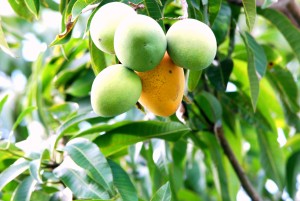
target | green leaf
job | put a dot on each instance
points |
(79, 5)
(292, 171)
(219, 75)
(97, 57)
(163, 193)
(193, 79)
(153, 10)
(33, 6)
(213, 9)
(210, 105)
(257, 64)
(293, 143)
(188, 195)
(13, 171)
(88, 156)
(21, 9)
(268, 3)
(74, 121)
(2, 102)
(3, 44)
(123, 183)
(34, 169)
(222, 23)
(123, 136)
(82, 86)
(290, 32)
(271, 157)
(22, 115)
(250, 11)
(63, 111)
(80, 183)
(24, 190)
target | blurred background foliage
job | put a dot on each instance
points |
(50, 139)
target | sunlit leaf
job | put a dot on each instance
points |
(24, 190)
(79, 5)
(123, 183)
(22, 115)
(64, 111)
(250, 11)
(82, 185)
(82, 86)
(123, 136)
(34, 168)
(2, 102)
(34, 7)
(21, 9)
(163, 193)
(97, 57)
(13, 171)
(88, 156)
(284, 25)
(3, 43)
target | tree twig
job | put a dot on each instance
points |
(235, 164)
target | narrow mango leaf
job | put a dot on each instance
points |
(79, 5)
(257, 64)
(290, 32)
(292, 171)
(34, 169)
(97, 57)
(22, 115)
(82, 86)
(34, 7)
(123, 136)
(293, 143)
(269, 148)
(153, 10)
(3, 43)
(250, 11)
(24, 190)
(123, 182)
(193, 79)
(222, 23)
(163, 193)
(187, 195)
(194, 10)
(64, 111)
(21, 9)
(286, 85)
(88, 156)
(2, 102)
(210, 106)
(13, 171)
(80, 183)
(268, 3)
(219, 75)
(213, 10)
(74, 121)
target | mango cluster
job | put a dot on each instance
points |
(151, 62)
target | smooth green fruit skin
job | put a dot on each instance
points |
(191, 44)
(105, 22)
(140, 43)
(115, 90)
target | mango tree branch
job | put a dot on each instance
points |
(218, 130)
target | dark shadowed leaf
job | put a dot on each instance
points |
(213, 9)
(163, 193)
(153, 9)
(24, 190)
(123, 136)
(88, 156)
(219, 75)
(284, 25)
(250, 11)
(80, 183)
(13, 171)
(123, 183)
(292, 171)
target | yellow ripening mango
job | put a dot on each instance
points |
(162, 88)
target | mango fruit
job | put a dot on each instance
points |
(104, 23)
(115, 90)
(162, 88)
(191, 44)
(140, 43)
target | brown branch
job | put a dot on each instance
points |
(235, 164)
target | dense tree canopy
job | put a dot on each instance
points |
(235, 135)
